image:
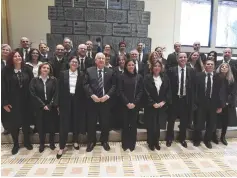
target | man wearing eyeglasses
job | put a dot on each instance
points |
(25, 48)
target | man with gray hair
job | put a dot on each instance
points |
(25, 48)
(68, 48)
(84, 61)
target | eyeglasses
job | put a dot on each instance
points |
(60, 49)
(36, 53)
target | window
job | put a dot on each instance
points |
(195, 22)
(226, 34)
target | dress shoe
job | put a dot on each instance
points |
(41, 148)
(106, 146)
(28, 146)
(168, 143)
(208, 144)
(90, 147)
(223, 140)
(52, 146)
(131, 149)
(157, 146)
(15, 149)
(184, 144)
(196, 143)
(59, 154)
(76, 146)
(215, 139)
(151, 147)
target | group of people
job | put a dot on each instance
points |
(73, 90)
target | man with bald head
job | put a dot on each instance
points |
(99, 85)
(59, 62)
(25, 48)
(172, 59)
(182, 81)
(227, 54)
(85, 62)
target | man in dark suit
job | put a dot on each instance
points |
(182, 80)
(25, 49)
(90, 53)
(68, 48)
(59, 62)
(85, 62)
(99, 85)
(227, 53)
(208, 103)
(139, 65)
(44, 55)
(196, 47)
(122, 50)
(142, 57)
(172, 59)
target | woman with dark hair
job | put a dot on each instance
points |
(195, 62)
(161, 58)
(116, 101)
(71, 104)
(44, 92)
(229, 93)
(34, 61)
(131, 90)
(158, 92)
(16, 99)
(107, 61)
(212, 56)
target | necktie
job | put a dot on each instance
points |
(139, 57)
(101, 85)
(89, 54)
(82, 65)
(208, 89)
(182, 83)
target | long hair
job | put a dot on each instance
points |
(10, 62)
(126, 64)
(199, 61)
(229, 76)
(30, 54)
(150, 57)
(152, 65)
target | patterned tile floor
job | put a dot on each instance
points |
(176, 161)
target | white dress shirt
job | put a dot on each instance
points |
(179, 73)
(44, 82)
(158, 83)
(137, 61)
(59, 59)
(4, 61)
(72, 81)
(89, 52)
(24, 52)
(35, 68)
(206, 78)
(120, 70)
(16, 70)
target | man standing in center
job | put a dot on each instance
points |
(99, 86)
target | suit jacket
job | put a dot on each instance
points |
(45, 59)
(91, 82)
(233, 65)
(58, 66)
(93, 55)
(171, 60)
(89, 62)
(2, 65)
(190, 84)
(197, 67)
(68, 55)
(20, 50)
(151, 90)
(201, 99)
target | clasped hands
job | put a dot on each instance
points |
(96, 99)
(159, 105)
(130, 105)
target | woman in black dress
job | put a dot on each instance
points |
(71, 104)
(131, 90)
(228, 97)
(44, 93)
(16, 99)
(158, 92)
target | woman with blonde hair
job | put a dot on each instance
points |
(228, 97)
(6, 49)
(195, 62)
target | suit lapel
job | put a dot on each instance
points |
(67, 80)
(105, 76)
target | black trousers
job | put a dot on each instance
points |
(223, 117)
(69, 125)
(206, 114)
(45, 124)
(179, 109)
(98, 112)
(15, 134)
(129, 129)
(153, 127)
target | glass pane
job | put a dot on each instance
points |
(226, 35)
(195, 22)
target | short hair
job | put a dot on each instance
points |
(43, 44)
(98, 54)
(67, 38)
(122, 42)
(50, 68)
(6, 46)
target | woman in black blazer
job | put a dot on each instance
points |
(44, 92)
(158, 92)
(71, 104)
(16, 78)
(228, 97)
(131, 89)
